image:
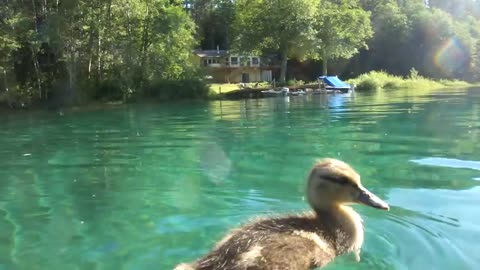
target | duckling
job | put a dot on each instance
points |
(303, 241)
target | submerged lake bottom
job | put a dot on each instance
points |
(151, 186)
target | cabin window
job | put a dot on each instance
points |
(255, 61)
(210, 61)
(234, 60)
(244, 61)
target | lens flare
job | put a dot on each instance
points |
(451, 57)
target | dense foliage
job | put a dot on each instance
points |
(281, 26)
(301, 29)
(73, 50)
(439, 39)
(375, 80)
(58, 51)
(342, 29)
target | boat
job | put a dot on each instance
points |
(299, 92)
(334, 84)
(276, 93)
(324, 91)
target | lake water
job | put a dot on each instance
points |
(147, 187)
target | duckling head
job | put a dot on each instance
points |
(332, 183)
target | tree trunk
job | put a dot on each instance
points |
(37, 70)
(90, 52)
(283, 67)
(128, 74)
(100, 30)
(89, 66)
(99, 52)
(35, 15)
(34, 54)
(324, 69)
(5, 79)
(145, 38)
(71, 69)
(45, 5)
(106, 42)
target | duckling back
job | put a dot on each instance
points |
(295, 242)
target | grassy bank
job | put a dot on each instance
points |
(106, 92)
(217, 88)
(376, 80)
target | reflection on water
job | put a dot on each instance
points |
(146, 187)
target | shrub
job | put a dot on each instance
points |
(109, 89)
(414, 74)
(164, 89)
(375, 80)
(392, 85)
(295, 82)
(367, 84)
(17, 97)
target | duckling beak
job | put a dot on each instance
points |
(368, 198)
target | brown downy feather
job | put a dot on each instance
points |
(293, 242)
(304, 241)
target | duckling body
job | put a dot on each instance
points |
(300, 242)
(293, 242)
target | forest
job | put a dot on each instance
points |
(75, 51)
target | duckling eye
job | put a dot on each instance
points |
(342, 180)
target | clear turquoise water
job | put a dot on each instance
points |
(147, 187)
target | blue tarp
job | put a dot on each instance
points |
(335, 82)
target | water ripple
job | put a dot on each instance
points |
(141, 187)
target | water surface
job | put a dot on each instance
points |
(147, 187)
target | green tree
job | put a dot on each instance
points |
(458, 8)
(436, 39)
(93, 48)
(475, 67)
(283, 26)
(391, 28)
(213, 19)
(8, 21)
(341, 29)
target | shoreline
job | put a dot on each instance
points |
(239, 94)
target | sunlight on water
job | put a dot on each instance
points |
(448, 162)
(147, 187)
